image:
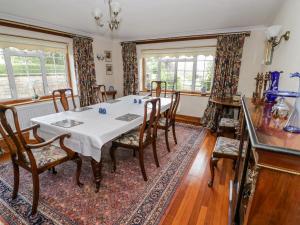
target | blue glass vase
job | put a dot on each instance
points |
(273, 86)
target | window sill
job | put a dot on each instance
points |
(20, 102)
(185, 93)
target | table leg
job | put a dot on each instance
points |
(97, 166)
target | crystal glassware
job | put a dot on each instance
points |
(293, 123)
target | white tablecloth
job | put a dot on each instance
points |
(97, 129)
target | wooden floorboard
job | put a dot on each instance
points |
(194, 203)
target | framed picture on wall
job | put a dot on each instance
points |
(107, 55)
(109, 70)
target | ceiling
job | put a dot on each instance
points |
(145, 18)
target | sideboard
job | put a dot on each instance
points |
(266, 189)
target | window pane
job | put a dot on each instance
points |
(204, 73)
(56, 71)
(5, 92)
(151, 71)
(185, 76)
(28, 76)
(167, 73)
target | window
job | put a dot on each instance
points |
(29, 67)
(183, 69)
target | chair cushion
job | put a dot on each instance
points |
(130, 138)
(227, 122)
(162, 121)
(227, 146)
(47, 154)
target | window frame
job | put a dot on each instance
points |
(194, 75)
(7, 53)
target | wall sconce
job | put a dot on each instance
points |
(272, 36)
(100, 57)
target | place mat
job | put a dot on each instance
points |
(67, 123)
(111, 101)
(81, 109)
(128, 117)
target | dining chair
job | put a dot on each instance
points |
(158, 88)
(138, 139)
(227, 148)
(35, 158)
(61, 94)
(168, 120)
(100, 93)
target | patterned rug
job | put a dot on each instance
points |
(124, 197)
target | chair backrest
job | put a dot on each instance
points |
(100, 93)
(149, 126)
(7, 132)
(62, 95)
(158, 88)
(175, 98)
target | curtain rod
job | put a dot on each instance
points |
(186, 38)
(24, 26)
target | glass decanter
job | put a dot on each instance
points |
(293, 123)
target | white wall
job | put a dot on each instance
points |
(287, 54)
(101, 44)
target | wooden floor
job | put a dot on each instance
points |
(194, 202)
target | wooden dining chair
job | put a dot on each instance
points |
(100, 93)
(168, 120)
(227, 148)
(139, 138)
(158, 88)
(61, 95)
(35, 158)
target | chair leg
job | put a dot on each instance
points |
(167, 140)
(54, 170)
(36, 192)
(16, 180)
(134, 153)
(78, 170)
(174, 133)
(113, 157)
(141, 159)
(213, 163)
(155, 153)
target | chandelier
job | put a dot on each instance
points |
(114, 11)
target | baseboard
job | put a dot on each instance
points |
(188, 119)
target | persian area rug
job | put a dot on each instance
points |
(124, 197)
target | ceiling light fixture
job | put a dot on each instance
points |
(114, 11)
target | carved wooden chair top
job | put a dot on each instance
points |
(100, 93)
(158, 89)
(62, 95)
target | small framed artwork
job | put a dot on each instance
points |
(109, 70)
(108, 57)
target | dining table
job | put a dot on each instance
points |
(91, 128)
